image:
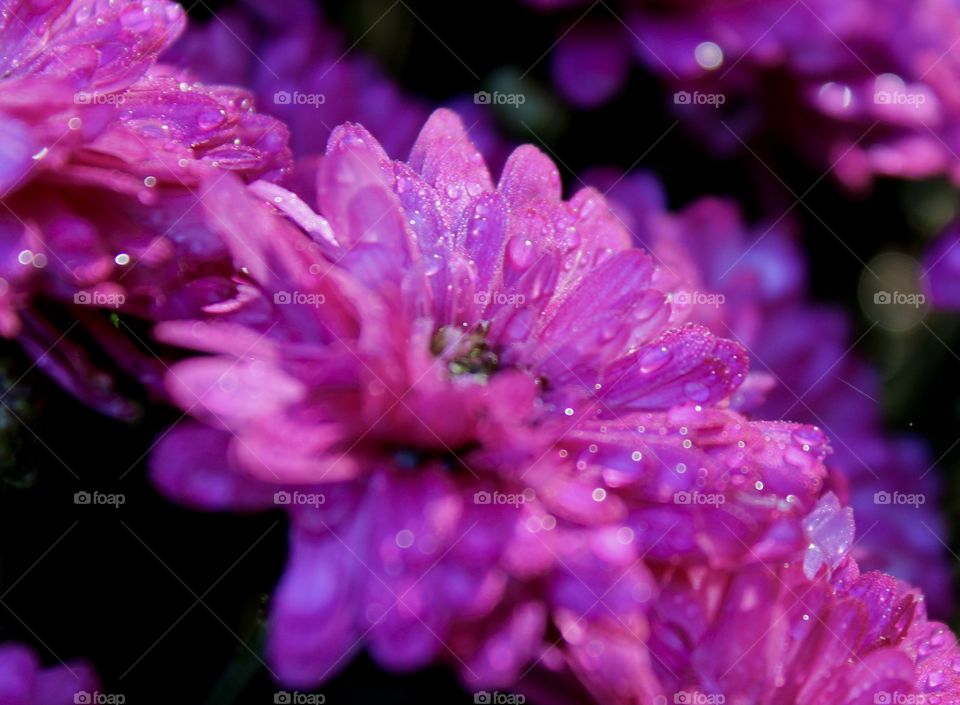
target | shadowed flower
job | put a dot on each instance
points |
(478, 376)
(103, 149)
(23, 681)
(867, 87)
(301, 72)
(300, 69)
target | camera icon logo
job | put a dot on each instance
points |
(682, 98)
(881, 497)
(281, 497)
(282, 98)
(681, 497)
(882, 297)
(482, 497)
(82, 497)
(482, 98)
(482, 698)
(281, 297)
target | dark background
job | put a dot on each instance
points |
(101, 582)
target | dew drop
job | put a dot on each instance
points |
(211, 119)
(708, 55)
(404, 538)
(696, 391)
(654, 359)
(521, 252)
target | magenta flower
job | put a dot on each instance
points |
(23, 681)
(105, 151)
(479, 376)
(749, 284)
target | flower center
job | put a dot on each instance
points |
(468, 354)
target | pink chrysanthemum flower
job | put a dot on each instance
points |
(476, 377)
(103, 151)
(23, 681)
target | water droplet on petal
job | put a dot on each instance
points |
(521, 252)
(708, 55)
(404, 538)
(654, 359)
(695, 391)
(211, 119)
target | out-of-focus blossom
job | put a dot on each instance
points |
(749, 284)
(869, 88)
(103, 151)
(302, 72)
(941, 270)
(23, 681)
(483, 380)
